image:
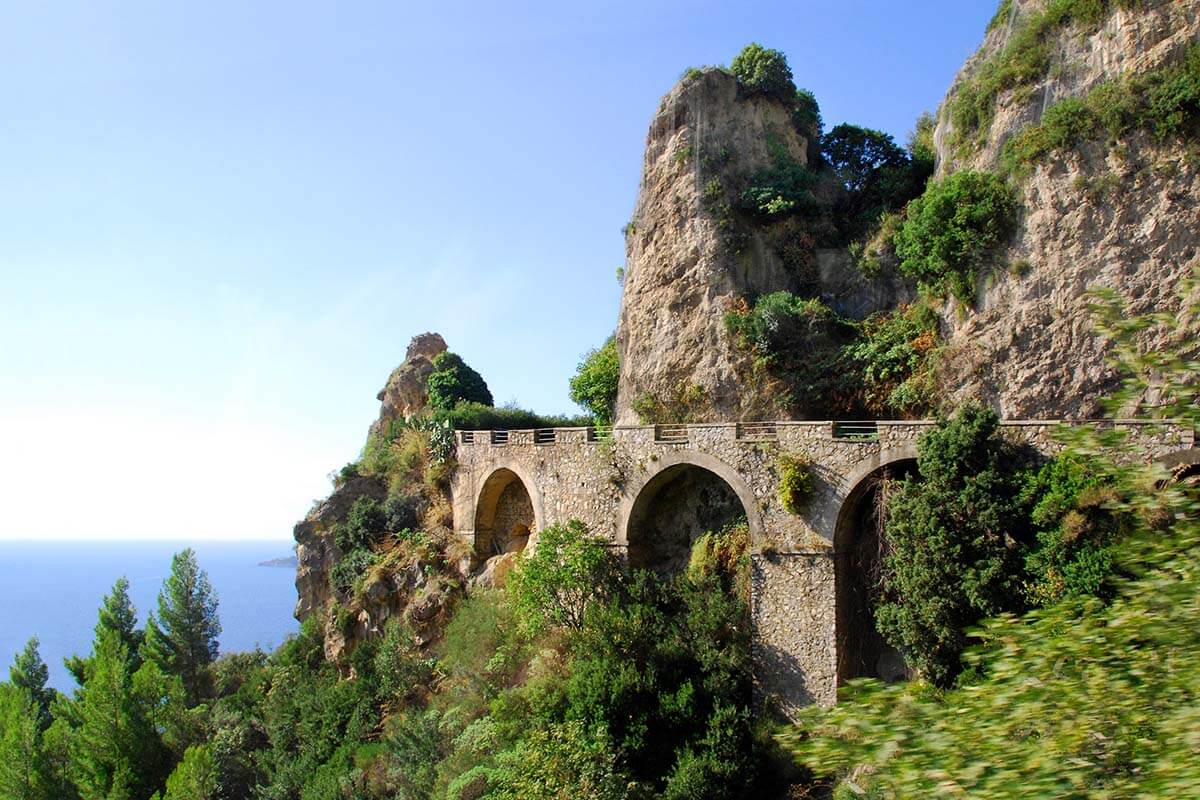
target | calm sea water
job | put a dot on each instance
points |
(53, 590)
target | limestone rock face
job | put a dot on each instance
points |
(405, 392)
(316, 552)
(1122, 215)
(681, 274)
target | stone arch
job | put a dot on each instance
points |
(507, 510)
(719, 488)
(857, 554)
(1184, 466)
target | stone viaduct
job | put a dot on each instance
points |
(650, 490)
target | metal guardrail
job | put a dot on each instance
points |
(670, 433)
(600, 433)
(862, 431)
(757, 432)
(842, 430)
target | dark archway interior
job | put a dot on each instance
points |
(859, 549)
(674, 509)
(504, 516)
(1187, 476)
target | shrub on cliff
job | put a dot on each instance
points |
(952, 229)
(892, 354)
(763, 70)
(567, 571)
(800, 340)
(453, 381)
(594, 386)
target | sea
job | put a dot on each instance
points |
(54, 589)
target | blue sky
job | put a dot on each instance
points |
(221, 223)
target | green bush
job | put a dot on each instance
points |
(1077, 534)
(800, 341)
(921, 145)
(594, 385)
(765, 71)
(402, 511)
(567, 571)
(452, 382)
(780, 323)
(952, 229)
(785, 189)
(952, 539)
(364, 525)
(806, 113)
(477, 417)
(349, 569)
(1173, 97)
(795, 482)
(559, 761)
(892, 354)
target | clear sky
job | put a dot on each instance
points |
(222, 222)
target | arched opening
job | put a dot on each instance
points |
(675, 508)
(1184, 469)
(859, 548)
(504, 515)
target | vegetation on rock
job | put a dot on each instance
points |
(452, 382)
(1025, 58)
(952, 229)
(1165, 101)
(763, 70)
(795, 482)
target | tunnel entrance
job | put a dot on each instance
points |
(859, 549)
(504, 515)
(672, 511)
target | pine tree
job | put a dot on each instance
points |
(118, 615)
(114, 748)
(195, 778)
(30, 673)
(182, 639)
(22, 769)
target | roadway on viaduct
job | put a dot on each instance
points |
(810, 572)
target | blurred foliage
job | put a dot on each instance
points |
(1087, 697)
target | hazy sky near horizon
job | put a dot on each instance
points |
(221, 223)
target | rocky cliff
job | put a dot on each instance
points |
(1103, 212)
(1111, 206)
(387, 524)
(684, 267)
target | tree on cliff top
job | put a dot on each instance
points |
(453, 381)
(763, 70)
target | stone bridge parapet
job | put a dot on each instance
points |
(511, 483)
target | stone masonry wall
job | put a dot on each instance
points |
(570, 474)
